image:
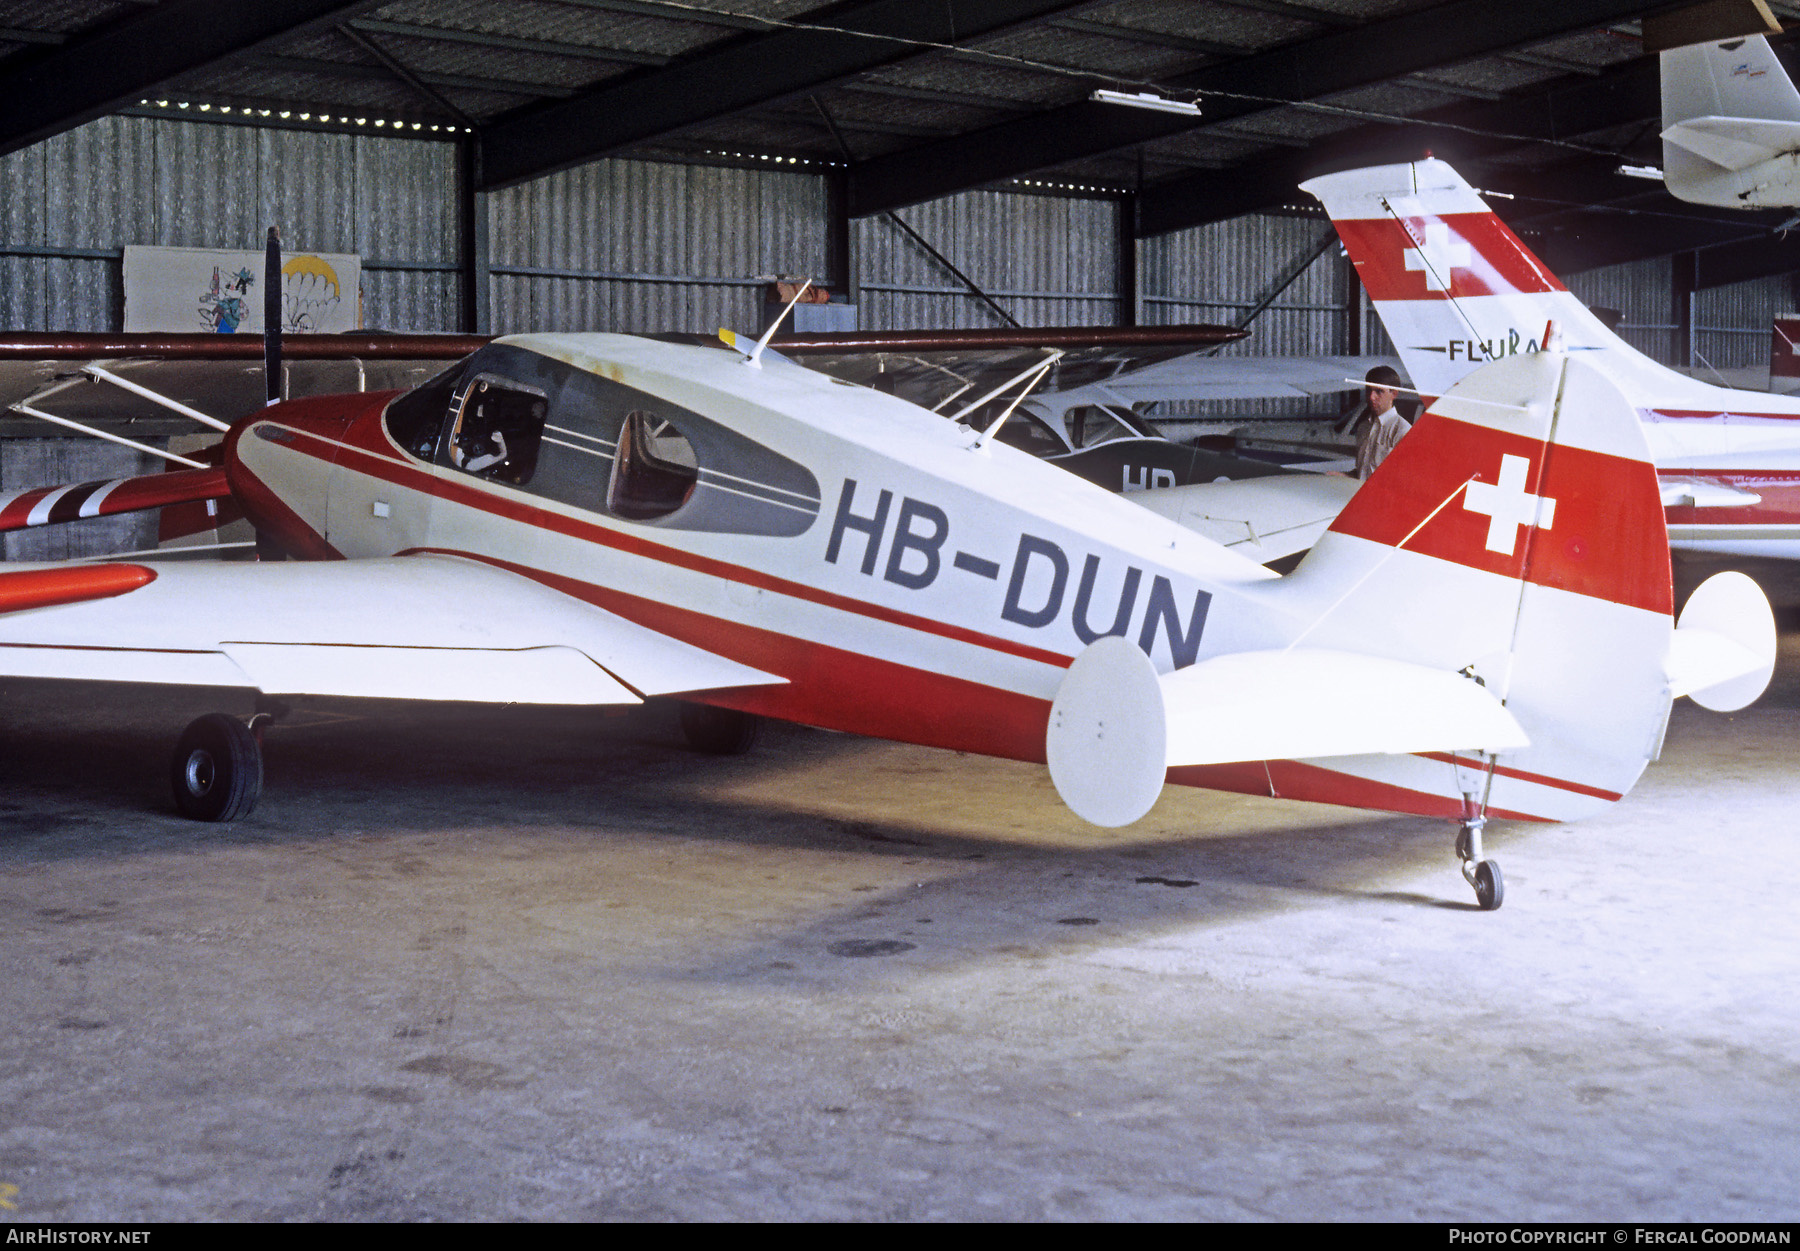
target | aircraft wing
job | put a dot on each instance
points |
(1198, 376)
(1263, 518)
(415, 627)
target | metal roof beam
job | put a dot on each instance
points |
(440, 34)
(1307, 69)
(1461, 133)
(93, 74)
(362, 69)
(809, 51)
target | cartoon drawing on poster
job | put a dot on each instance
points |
(221, 292)
(224, 307)
(310, 294)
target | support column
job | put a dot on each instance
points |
(840, 239)
(1126, 242)
(472, 264)
(1681, 296)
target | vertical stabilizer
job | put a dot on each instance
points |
(1731, 125)
(1515, 535)
(1456, 288)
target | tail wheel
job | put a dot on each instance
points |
(719, 731)
(217, 770)
(1490, 886)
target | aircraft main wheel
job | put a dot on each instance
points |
(1490, 886)
(217, 769)
(719, 731)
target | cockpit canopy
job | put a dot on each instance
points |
(512, 416)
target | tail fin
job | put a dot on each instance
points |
(1727, 108)
(1515, 535)
(1456, 288)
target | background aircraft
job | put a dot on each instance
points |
(1455, 288)
(1731, 125)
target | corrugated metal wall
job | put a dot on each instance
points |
(1732, 325)
(1640, 291)
(642, 246)
(1046, 261)
(136, 180)
(133, 180)
(1220, 272)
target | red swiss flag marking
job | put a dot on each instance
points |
(1437, 258)
(1583, 522)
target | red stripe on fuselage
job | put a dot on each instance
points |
(1474, 253)
(1595, 545)
(456, 490)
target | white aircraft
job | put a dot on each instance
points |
(1456, 288)
(1731, 126)
(599, 519)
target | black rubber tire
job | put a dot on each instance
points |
(719, 731)
(1490, 886)
(217, 771)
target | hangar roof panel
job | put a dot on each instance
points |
(952, 95)
(1216, 22)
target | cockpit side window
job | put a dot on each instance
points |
(654, 471)
(497, 429)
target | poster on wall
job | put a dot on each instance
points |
(218, 291)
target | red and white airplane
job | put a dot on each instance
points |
(1456, 288)
(599, 519)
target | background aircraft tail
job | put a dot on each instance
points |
(1728, 109)
(1456, 288)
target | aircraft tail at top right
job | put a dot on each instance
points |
(1731, 125)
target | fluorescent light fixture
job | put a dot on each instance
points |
(1641, 171)
(1147, 100)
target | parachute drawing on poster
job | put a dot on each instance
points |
(208, 290)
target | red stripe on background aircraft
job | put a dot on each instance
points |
(1456, 288)
(594, 519)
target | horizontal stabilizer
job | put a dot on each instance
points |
(1698, 493)
(1308, 702)
(1735, 142)
(1722, 654)
(1117, 726)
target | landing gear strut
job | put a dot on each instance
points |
(1483, 875)
(217, 770)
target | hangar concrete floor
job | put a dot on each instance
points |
(475, 964)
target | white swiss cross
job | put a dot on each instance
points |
(1441, 253)
(1509, 505)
